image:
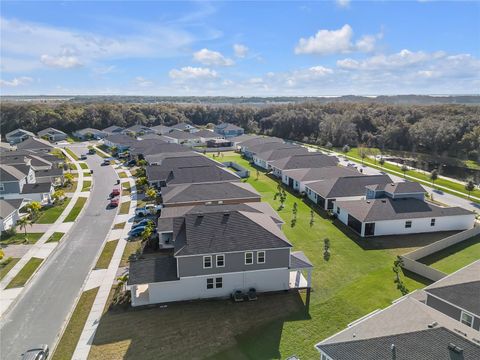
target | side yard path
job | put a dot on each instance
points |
(101, 278)
(10, 287)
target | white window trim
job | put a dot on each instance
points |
(251, 253)
(211, 263)
(215, 283)
(468, 314)
(264, 257)
(2, 187)
(216, 260)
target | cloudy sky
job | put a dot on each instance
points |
(240, 48)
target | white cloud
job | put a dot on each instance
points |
(102, 70)
(326, 42)
(61, 61)
(212, 58)
(343, 3)
(192, 73)
(18, 81)
(240, 50)
(142, 82)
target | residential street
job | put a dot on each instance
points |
(45, 303)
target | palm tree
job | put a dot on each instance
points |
(469, 186)
(22, 223)
(434, 176)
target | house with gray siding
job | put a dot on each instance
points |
(216, 251)
(52, 134)
(299, 178)
(112, 130)
(250, 146)
(184, 127)
(265, 158)
(18, 135)
(89, 133)
(229, 130)
(10, 212)
(308, 160)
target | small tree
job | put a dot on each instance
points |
(68, 178)
(326, 249)
(22, 223)
(397, 268)
(151, 193)
(283, 198)
(346, 149)
(312, 217)
(142, 163)
(381, 161)
(404, 170)
(363, 153)
(33, 209)
(147, 232)
(141, 182)
(257, 173)
(469, 186)
(295, 209)
(434, 176)
(58, 196)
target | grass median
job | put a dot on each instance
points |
(119, 226)
(124, 208)
(72, 154)
(126, 188)
(76, 209)
(68, 342)
(25, 273)
(84, 166)
(55, 237)
(6, 265)
(87, 184)
(20, 238)
(106, 255)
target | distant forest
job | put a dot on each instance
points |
(442, 129)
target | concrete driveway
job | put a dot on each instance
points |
(42, 308)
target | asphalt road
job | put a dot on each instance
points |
(39, 314)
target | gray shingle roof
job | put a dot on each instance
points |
(396, 209)
(465, 295)
(268, 146)
(49, 172)
(121, 139)
(227, 231)
(19, 132)
(181, 126)
(188, 193)
(281, 153)
(347, 186)
(145, 271)
(162, 129)
(34, 144)
(429, 344)
(260, 140)
(323, 173)
(50, 131)
(155, 146)
(189, 175)
(9, 206)
(181, 135)
(298, 260)
(10, 173)
(138, 128)
(113, 129)
(207, 134)
(307, 160)
(36, 188)
(243, 138)
(404, 187)
(159, 158)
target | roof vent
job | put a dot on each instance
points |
(368, 201)
(432, 325)
(394, 351)
(393, 184)
(455, 349)
(225, 218)
(384, 201)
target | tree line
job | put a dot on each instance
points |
(445, 129)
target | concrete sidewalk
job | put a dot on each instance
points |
(41, 249)
(106, 278)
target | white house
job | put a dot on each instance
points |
(304, 160)
(10, 212)
(52, 135)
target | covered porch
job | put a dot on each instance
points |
(300, 271)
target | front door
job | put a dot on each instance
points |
(369, 229)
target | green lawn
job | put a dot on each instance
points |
(55, 237)
(70, 187)
(48, 215)
(6, 265)
(87, 173)
(74, 329)
(83, 165)
(131, 248)
(119, 226)
(76, 209)
(122, 174)
(124, 207)
(356, 280)
(19, 238)
(455, 257)
(86, 185)
(126, 188)
(105, 149)
(106, 255)
(25, 273)
(72, 154)
(423, 178)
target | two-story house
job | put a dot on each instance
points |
(18, 182)
(229, 130)
(216, 251)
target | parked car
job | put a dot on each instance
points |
(138, 231)
(143, 222)
(106, 162)
(131, 163)
(40, 353)
(115, 192)
(83, 157)
(147, 210)
(91, 151)
(114, 202)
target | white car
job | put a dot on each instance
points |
(147, 210)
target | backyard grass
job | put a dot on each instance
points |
(25, 273)
(6, 265)
(83, 165)
(70, 337)
(356, 280)
(106, 255)
(131, 248)
(48, 215)
(119, 226)
(71, 153)
(86, 185)
(122, 174)
(124, 207)
(20, 238)
(455, 257)
(126, 188)
(76, 209)
(55, 237)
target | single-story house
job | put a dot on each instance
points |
(207, 135)
(184, 127)
(89, 133)
(387, 216)
(238, 140)
(154, 147)
(265, 158)
(52, 135)
(18, 135)
(229, 130)
(10, 212)
(35, 144)
(258, 144)
(299, 178)
(325, 192)
(177, 160)
(114, 129)
(138, 130)
(161, 129)
(302, 161)
(120, 141)
(182, 138)
(396, 190)
(219, 143)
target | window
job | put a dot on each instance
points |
(220, 260)
(338, 210)
(261, 257)
(466, 319)
(207, 262)
(248, 258)
(2, 188)
(408, 224)
(209, 283)
(432, 222)
(218, 283)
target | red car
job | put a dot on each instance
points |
(114, 202)
(115, 192)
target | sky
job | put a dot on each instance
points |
(248, 48)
